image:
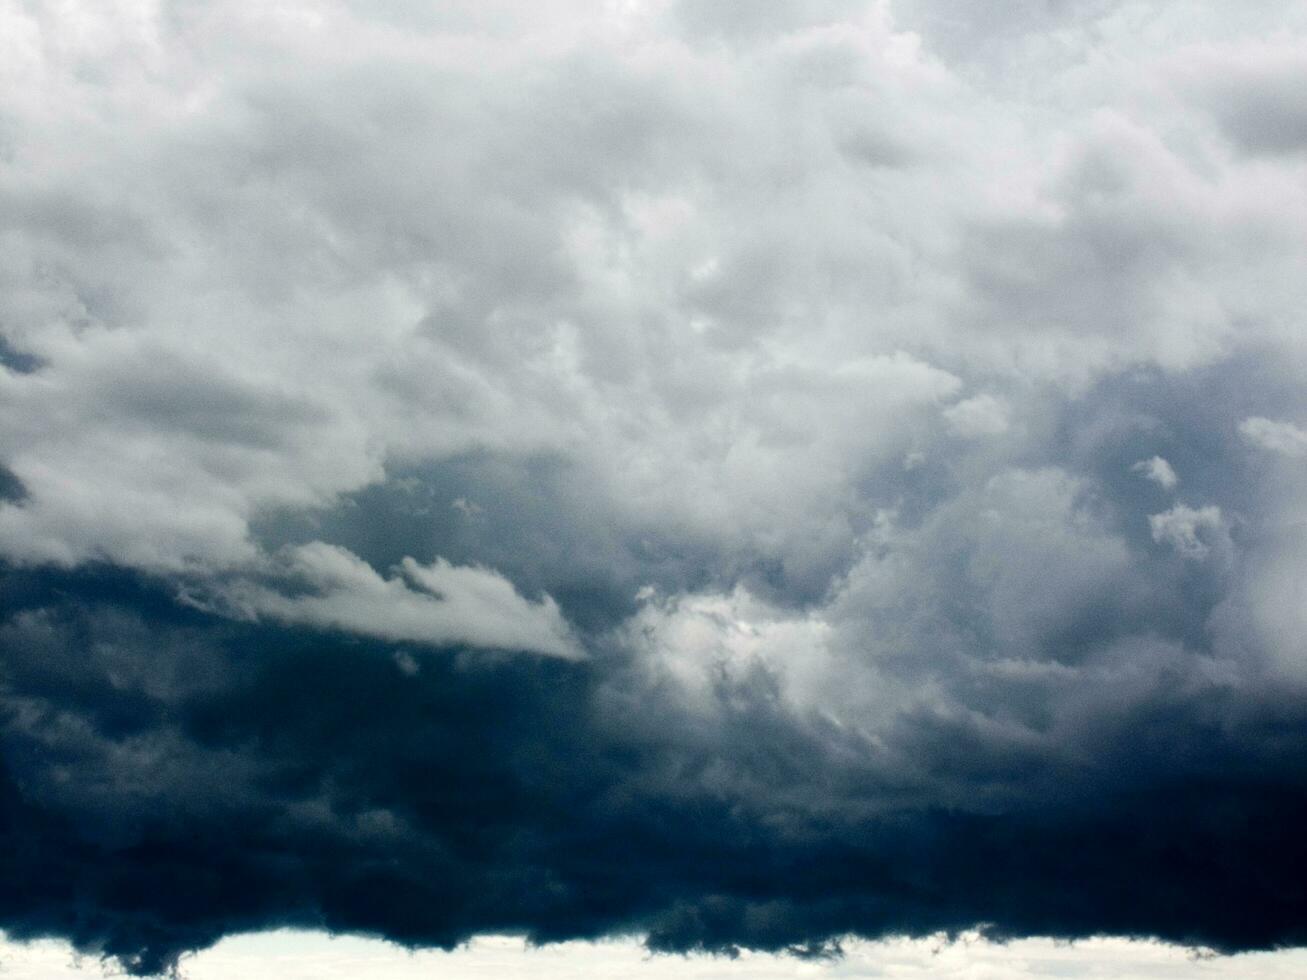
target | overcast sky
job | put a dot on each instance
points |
(737, 474)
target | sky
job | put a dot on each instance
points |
(754, 477)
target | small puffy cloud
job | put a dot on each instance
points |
(1191, 532)
(468, 508)
(1158, 470)
(983, 415)
(1284, 438)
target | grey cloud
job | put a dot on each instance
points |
(737, 19)
(11, 488)
(978, 33)
(1253, 91)
(16, 360)
(783, 377)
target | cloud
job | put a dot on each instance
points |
(1283, 438)
(1249, 89)
(1180, 527)
(983, 415)
(438, 604)
(672, 470)
(292, 778)
(736, 19)
(1158, 470)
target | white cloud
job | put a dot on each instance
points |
(287, 955)
(1284, 438)
(697, 640)
(438, 604)
(983, 415)
(728, 266)
(1158, 470)
(1191, 532)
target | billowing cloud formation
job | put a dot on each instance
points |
(1180, 527)
(670, 469)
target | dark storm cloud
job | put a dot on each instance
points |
(16, 360)
(170, 779)
(11, 488)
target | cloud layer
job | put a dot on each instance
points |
(736, 474)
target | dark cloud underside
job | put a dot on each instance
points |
(170, 779)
